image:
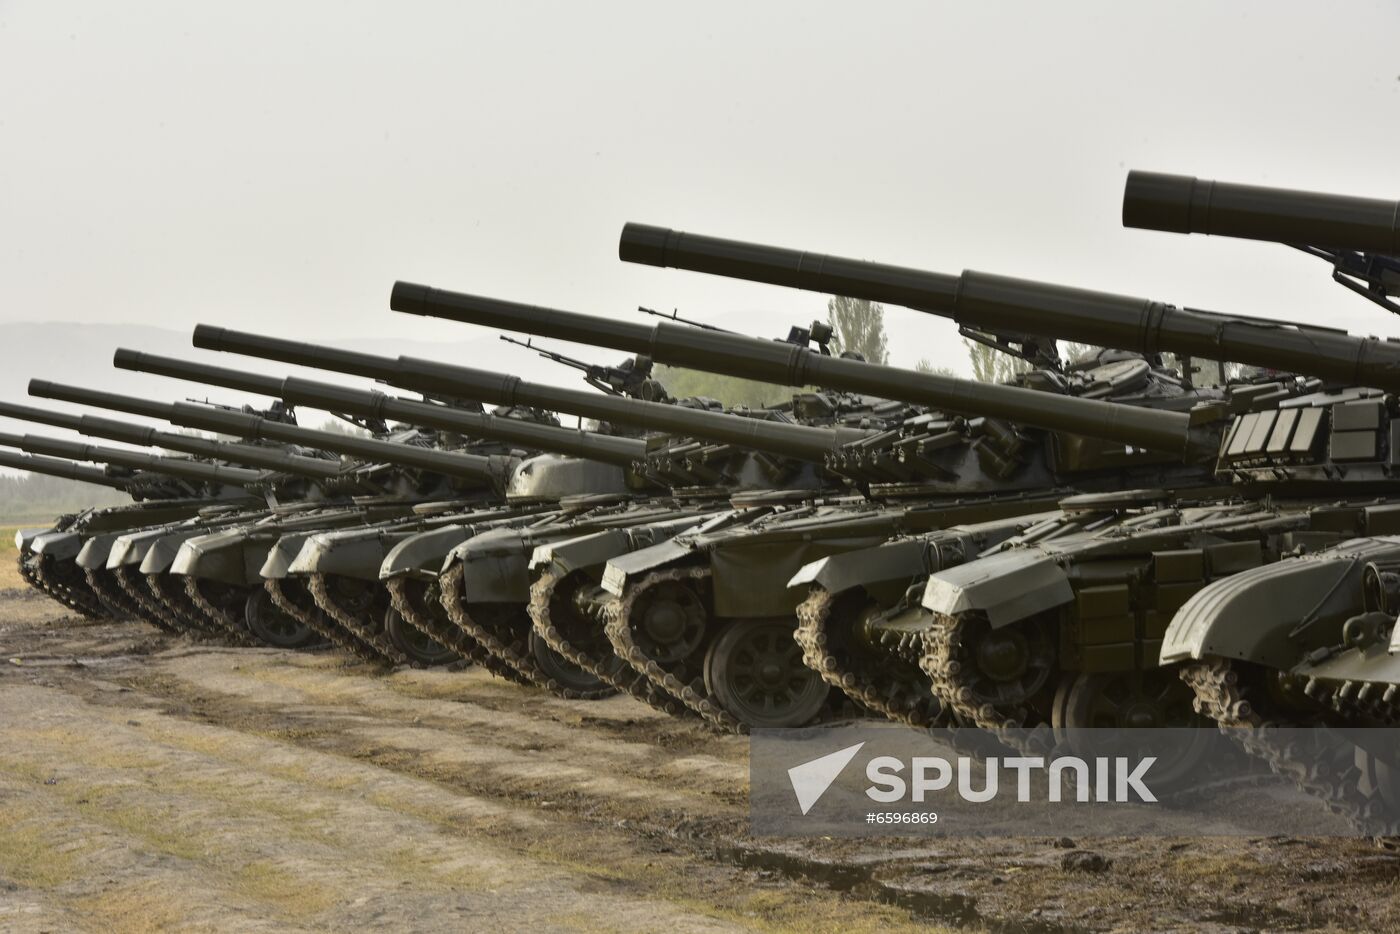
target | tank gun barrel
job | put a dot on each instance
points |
(787, 364)
(59, 467)
(114, 430)
(1000, 304)
(800, 441)
(1183, 204)
(135, 460)
(297, 391)
(246, 425)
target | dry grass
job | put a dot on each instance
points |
(29, 855)
(9, 555)
(288, 892)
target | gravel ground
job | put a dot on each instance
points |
(148, 783)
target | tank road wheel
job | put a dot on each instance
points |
(670, 622)
(271, 625)
(560, 669)
(755, 670)
(1011, 665)
(1138, 700)
(414, 643)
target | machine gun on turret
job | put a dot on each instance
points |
(632, 377)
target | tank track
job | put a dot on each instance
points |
(504, 639)
(1219, 695)
(953, 685)
(110, 595)
(443, 632)
(26, 572)
(172, 595)
(690, 692)
(905, 701)
(133, 584)
(624, 678)
(316, 620)
(51, 581)
(230, 627)
(351, 618)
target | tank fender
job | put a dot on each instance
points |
(1251, 615)
(57, 545)
(564, 557)
(421, 556)
(358, 554)
(1006, 587)
(97, 551)
(892, 561)
(496, 566)
(161, 555)
(24, 538)
(628, 566)
(281, 555)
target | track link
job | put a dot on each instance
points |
(953, 675)
(133, 584)
(410, 599)
(352, 616)
(110, 594)
(503, 634)
(905, 700)
(281, 590)
(687, 687)
(1222, 695)
(49, 578)
(598, 659)
(170, 593)
(230, 627)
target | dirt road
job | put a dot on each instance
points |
(148, 783)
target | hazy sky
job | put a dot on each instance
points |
(277, 166)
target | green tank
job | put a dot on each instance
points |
(267, 619)
(721, 588)
(492, 594)
(1065, 625)
(127, 564)
(47, 556)
(1308, 640)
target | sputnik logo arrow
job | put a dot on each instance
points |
(810, 780)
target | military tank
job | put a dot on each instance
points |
(119, 554)
(483, 475)
(841, 525)
(54, 575)
(978, 300)
(198, 486)
(498, 592)
(1006, 304)
(1308, 640)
